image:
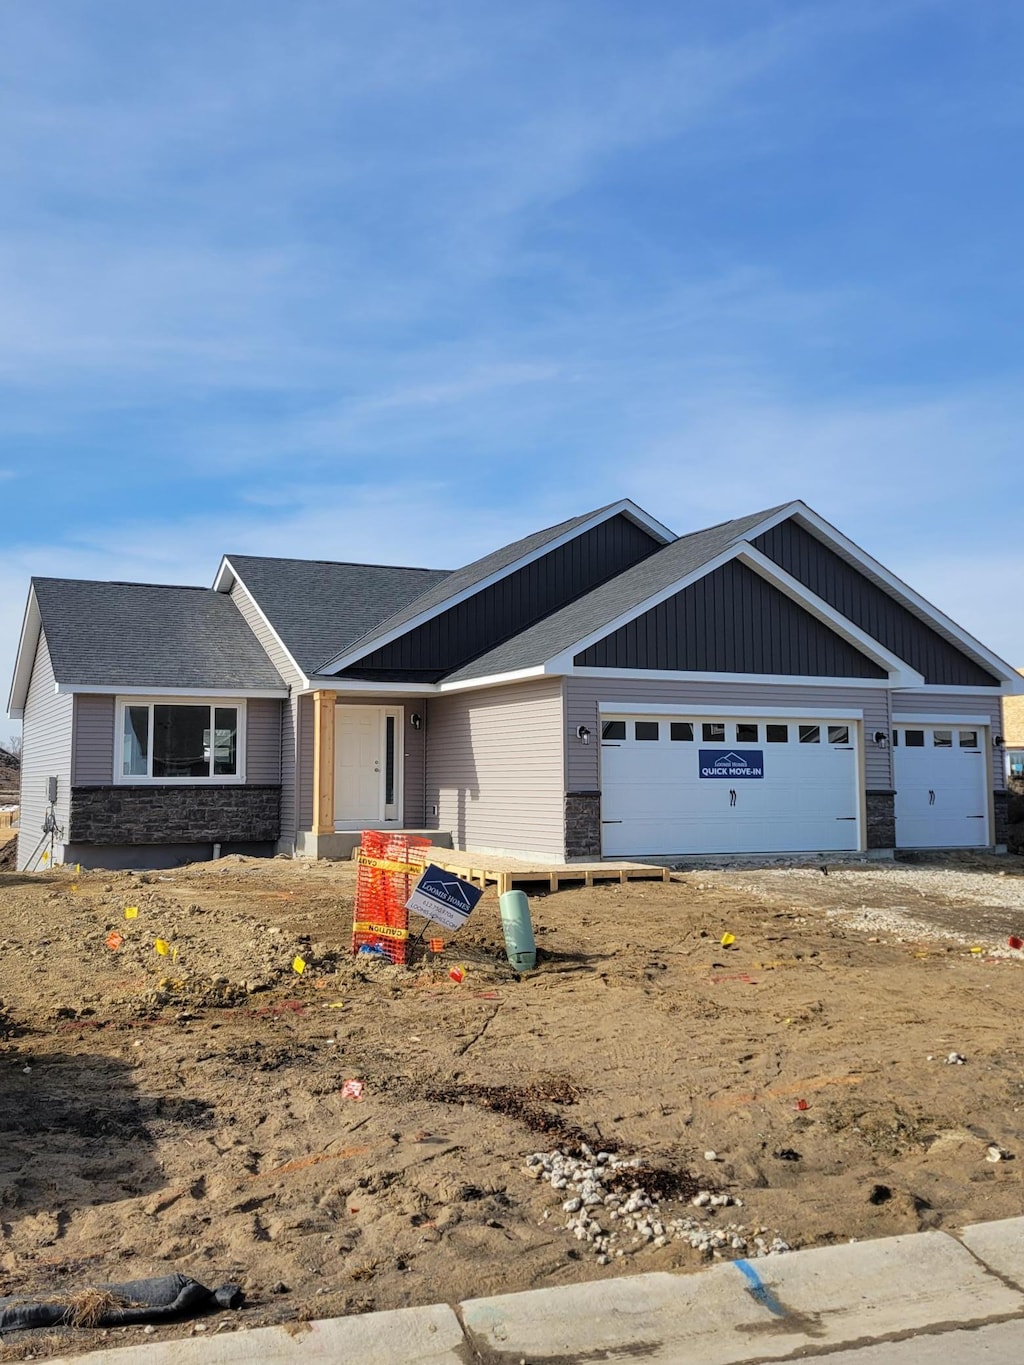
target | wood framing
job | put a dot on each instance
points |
(323, 762)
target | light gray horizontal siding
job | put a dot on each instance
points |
(46, 752)
(939, 704)
(495, 768)
(583, 695)
(263, 740)
(93, 758)
(286, 770)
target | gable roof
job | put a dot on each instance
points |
(608, 602)
(473, 577)
(317, 607)
(149, 635)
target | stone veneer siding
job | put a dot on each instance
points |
(583, 825)
(174, 815)
(881, 808)
(1001, 804)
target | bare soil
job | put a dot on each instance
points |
(185, 1112)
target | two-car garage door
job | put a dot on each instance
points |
(728, 784)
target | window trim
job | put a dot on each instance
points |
(122, 779)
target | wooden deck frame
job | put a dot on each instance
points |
(504, 873)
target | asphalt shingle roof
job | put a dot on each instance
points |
(461, 580)
(149, 635)
(563, 628)
(319, 608)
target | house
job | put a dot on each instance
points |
(1013, 735)
(601, 688)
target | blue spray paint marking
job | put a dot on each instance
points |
(758, 1290)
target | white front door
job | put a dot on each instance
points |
(688, 784)
(941, 789)
(367, 765)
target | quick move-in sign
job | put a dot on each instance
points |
(731, 763)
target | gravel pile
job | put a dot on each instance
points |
(608, 1206)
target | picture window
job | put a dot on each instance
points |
(168, 742)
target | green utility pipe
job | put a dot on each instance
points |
(518, 930)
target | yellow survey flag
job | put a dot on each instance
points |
(162, 947)
(299, 965)
(131, 912)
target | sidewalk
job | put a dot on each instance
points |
(736, 1313)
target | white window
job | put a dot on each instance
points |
(179, 741)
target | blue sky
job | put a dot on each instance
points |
(402, 281)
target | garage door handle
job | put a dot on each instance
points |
(846, 817)
(611, 822)
(732, 796)
(931, 798)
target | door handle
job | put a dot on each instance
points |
(931, 797)
(732, 796)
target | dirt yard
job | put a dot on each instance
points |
(186, 1112)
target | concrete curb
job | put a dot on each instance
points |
(741, 1311)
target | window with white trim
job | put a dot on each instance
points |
(186, 741)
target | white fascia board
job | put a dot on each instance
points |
(898, 671)
(116, 689)
(227, 570)
(925, 718)
(365, 688)
(625, 506)
(1007, 689)
(646, 708)
(495, 679)
(224, 576)
(639, 675)
(28, 646)
(872, 567)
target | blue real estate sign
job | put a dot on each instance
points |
(732, 763)
(443, 898)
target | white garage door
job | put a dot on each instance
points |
(679, 784)
(941, 789)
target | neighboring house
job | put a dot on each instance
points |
(601, 688)
(1013, 734)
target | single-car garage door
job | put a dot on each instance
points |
(939, 773)
(686, 784)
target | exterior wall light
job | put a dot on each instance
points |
(997, 741)
(583, 734)
(416, 721)
(881, 739)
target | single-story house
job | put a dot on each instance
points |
(1013, 734)
(601, 688)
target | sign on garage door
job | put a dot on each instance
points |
(939, 773)
(728, 785)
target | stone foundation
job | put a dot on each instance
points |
(175, 815)
(583, 825)
(881, 808)
(1001, 810)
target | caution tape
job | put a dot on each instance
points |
(383, 865)
(381, 930)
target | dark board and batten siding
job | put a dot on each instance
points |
(730, 621)
(866, 604)
(514, 603)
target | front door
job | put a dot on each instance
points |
(366, 765)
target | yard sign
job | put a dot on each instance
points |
(443, 898)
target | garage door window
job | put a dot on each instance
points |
(714, 731)
(646, 729)
(613, 729)
(838, 734)
(746, 734)
(942, 739)
(681, 729)
(810, 734)
(777, 734)
(968, 739)
(913, 739)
